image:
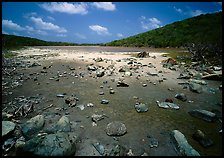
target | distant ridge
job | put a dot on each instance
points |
(201, 29)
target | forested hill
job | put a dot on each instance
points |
(205, 29)
(12, 41)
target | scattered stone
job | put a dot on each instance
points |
(116, 128)
(217, 77)
(71, 101)
(170, 89)
(118, 150)
(202, 138)
(99, 59)
(152, 73)
(153, 142)
(81, 107)
(122, 84)
(141, 107)
(167, 105)
(182, 145)
(92, 68)
(100, 73)
(128, 73)
(99, 147)
(170, 61)
(43, 71)
(144, 154)
(101, 93)
(144, 85)
(58, 144)
(130, 153)
(216, 68)
(143, 54)
(19, 144)
(104, 101)
(181, 96)
(6, 116)
(169, 100)
(63, 125)
(89, 105)
(203, 114)
(7, 128)
(60, 95)
(194, 87)
(112, 91)
(8, 144)
(32, 126)
(184, 76)
(198, 81)
(96, 117)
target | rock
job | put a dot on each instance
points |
(19, 145)
(71, 101)
(181, 96)
(112, 91)
(144, 154)
(116, 128)
(32, 126)
(100, 73)
(63, 125)
(182, 145)
(104, 101)
(118, 150)
(60, 95)
(141, 107)
(81, 107)
(99, 59)
(6, 116)
(122, 84)
(99, 148)
(217, 77)
(152, 73)
(128, 73)
(184, 76)
(169, 100)
(203, 114)
(96, 117)
(92, 68)
(194, 87)
(170, 61)
(202, 138)
(144, 85)
(216, 68)
(142, 54)
(7, 128)
(101, 93)
(167, 105)
(153, 142)
(198, 81)
(121, 69)
(58, 144)
(130, 153)
(89, 105)
(8, 144)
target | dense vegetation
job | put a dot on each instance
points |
(206, 29)
(12, 42)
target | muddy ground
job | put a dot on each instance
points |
(156, 122)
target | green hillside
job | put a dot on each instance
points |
(206, 29)
(12, 42)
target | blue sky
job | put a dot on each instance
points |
(95, 22)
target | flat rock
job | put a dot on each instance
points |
(194, 87)
(104, 101)
(181, 96)
(204, 140)
(122, 84)
(7, 127)
(58, 144)
(167, 105)
(32, 126)
(203, 114)
(116, 128)
(182, 145)
(141, 107)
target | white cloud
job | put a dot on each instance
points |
(149, 24)
(100, 30)
(120, 35)
(109, 6)
(61, 35)
(28, 28)
(64, 7)
(40, 24)
(4, 32)
(11, 25)
(40, 32)
(80, 36)
(50, 18)
(195, 12)
(178, 9)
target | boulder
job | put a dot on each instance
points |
(143, 54)
(116, 128)
(182, 145)
(63, 125)
(32, 126)
(203, 114)
(7, 127)
(204, 140)
(181, 96)
(141, 107)
(58, 144)
(194, 87)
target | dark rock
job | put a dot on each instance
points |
(63, 125)
(116, 128)
(194, 87)
(7, 128)
(143, 55)
(141, 107)
(100, 73)
(153, 142)
(8, 144)
(104, 101)
(58, 144)
(202, 138)
(112, 91)
(92, 68)
(71, 101)
(169, 100)
(6, 116)
(32, 126)
(99, 59)
(182, 145)
(203, 114)
(181, 96)
(122, 84)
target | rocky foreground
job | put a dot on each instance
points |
(67, 102)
